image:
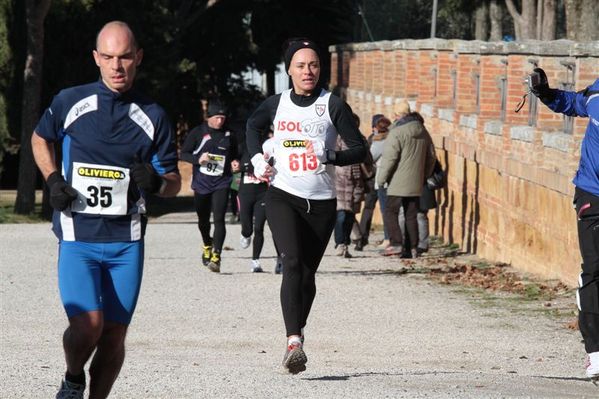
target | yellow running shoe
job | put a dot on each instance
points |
(206, 254)
(214, 264)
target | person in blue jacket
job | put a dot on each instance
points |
(586, 200)
(117, 147)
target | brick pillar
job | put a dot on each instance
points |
(334, 70)
(427, 66)
(412, 71)
(376, 57)
(388, 78)
(467, 70)
(399, 81)
(492, 68)
(345, 68)
(356, 79)
(446, 63)
(388, 74)
(517, 69)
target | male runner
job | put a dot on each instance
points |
(586, 200)
(117, 147)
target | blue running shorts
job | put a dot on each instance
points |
(100, 276)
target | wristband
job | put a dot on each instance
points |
(163, 186)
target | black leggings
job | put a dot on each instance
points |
(587, 210)
(215, 202)
(252, 211)
(301, 229)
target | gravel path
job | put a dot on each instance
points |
(374, 332)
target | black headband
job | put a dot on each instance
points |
(298, 44)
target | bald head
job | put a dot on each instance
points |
(117, 56)
(117, 27)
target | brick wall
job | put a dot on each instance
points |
(509, 188)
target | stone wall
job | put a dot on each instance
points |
(509, 194)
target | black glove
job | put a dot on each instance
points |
(146, 178)
(61, 193)
(539, 86)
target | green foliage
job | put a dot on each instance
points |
(455, 19)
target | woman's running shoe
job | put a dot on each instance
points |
(592, 367)
(245, 241)
(295, 358)
(256, 267)
(70, 390)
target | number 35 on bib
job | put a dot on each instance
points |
(102, 189)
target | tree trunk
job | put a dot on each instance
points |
(495, 17)
(36, 11)
(525, 21)
(572, 16)
(588, 26)
(539, 30)
(581, 20)
(481, 21)
(548, 28)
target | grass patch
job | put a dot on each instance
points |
(7, 214)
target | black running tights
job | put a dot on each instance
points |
(301, 230)
(252, 213)
(587, 210)
(215, 203)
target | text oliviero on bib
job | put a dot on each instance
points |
(102, 189)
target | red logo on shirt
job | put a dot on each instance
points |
(289, 126)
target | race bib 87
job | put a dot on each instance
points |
(102, 189)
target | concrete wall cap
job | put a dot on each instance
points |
(556, 47)
(585, 49)
(560, 47)
(472, 46)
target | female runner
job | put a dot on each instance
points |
(300, 202)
